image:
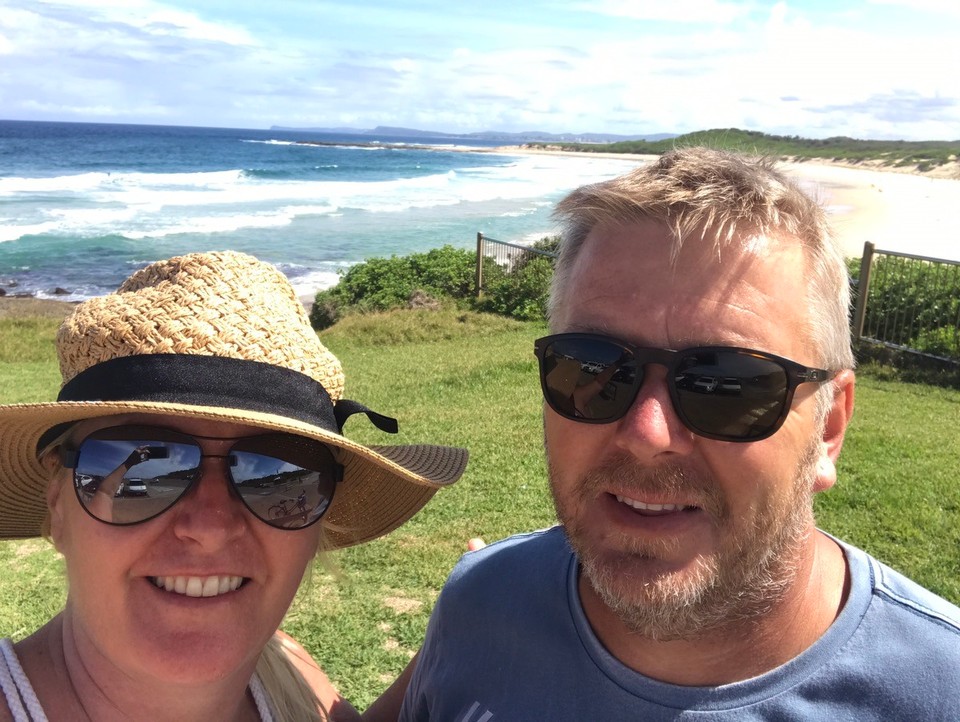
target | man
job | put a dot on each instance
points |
(698, 383)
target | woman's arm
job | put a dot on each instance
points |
(340, 710)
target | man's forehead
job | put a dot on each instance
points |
(701, 247)
(627, 285)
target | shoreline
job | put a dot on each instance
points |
(894, 208)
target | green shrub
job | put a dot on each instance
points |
(943, 341)
(446, 271)
(325, 311)
(377, 284)
(437, 278)
(381, 284)
(521, 293)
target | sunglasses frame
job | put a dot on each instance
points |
(69, 453)
(642, 356)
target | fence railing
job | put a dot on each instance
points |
(506, 255)
(909, 303)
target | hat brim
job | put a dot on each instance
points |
(382, 487)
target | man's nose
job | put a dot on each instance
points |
(651, 426)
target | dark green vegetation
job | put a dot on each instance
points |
(468, 379)
(922, 154)
(441, 277)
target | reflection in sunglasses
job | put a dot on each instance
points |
(130, 480)
(720, 392)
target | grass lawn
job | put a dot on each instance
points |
(470, 380)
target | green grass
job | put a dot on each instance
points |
(463, 379)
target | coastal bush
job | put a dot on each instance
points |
(442, 276)
(522, 293)
(380, 284)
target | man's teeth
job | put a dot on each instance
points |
(199, 586)
(640, 506)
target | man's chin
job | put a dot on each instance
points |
(654, 598)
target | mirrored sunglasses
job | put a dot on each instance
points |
(718, 392)
(131, 474)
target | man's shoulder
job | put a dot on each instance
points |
(914, 599)
(515, 552)
(907, 599)
(522, 561)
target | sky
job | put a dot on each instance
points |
(880, 69)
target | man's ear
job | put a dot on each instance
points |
(834, 429)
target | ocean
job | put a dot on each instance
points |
(84, 205)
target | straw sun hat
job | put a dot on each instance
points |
(218, 336)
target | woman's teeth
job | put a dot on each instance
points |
(199, 586)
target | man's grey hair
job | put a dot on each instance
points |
(706, 196)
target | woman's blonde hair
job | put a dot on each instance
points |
(292, 698)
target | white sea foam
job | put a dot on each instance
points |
(140, 205)
(309, 283)
(272, 141)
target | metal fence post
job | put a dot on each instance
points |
(479, 275)
(863, 287)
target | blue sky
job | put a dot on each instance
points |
(869, 69)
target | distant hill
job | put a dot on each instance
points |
(922, 156)
(530, 136)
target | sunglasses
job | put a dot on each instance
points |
(718, 392)
(130, 474)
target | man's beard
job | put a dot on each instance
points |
(749, 572)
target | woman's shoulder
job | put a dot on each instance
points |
(304, 663)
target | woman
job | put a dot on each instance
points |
(194, 447)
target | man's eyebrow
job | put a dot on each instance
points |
(602, 329)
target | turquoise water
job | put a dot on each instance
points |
(83, 205)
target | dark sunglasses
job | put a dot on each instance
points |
(719, 392)
(130, 474)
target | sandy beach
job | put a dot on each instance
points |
(895, 210)
(904, 212)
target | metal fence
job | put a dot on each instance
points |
(506, 255)
(910, 303)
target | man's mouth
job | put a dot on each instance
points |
(652, 509)
(199, 586)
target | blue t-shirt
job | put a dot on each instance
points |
(508, 640)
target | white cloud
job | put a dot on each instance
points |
(187, 25)
(676, 11)
(476, 68)
(938, 7)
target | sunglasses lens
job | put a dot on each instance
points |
(129, 480)
(730, 394)
(285, 480)
(588, 379)
(127, 475)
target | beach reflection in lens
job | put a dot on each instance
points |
(289, 493)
